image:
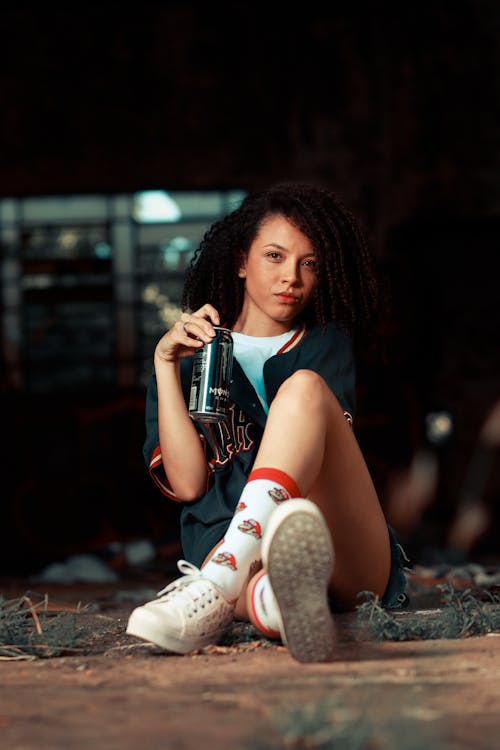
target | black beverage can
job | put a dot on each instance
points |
(212, 367)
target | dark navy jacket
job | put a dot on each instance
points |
(231, 446)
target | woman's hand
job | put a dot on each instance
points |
(188, 334)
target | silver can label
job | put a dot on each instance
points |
(212, 367)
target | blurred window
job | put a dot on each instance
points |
(89, 283)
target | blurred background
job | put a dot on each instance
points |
(125, 132)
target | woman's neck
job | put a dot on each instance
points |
(260, 324)
(261, 328)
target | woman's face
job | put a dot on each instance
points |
(280, 273)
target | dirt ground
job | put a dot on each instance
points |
(107, 690)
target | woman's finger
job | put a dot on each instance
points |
(190, 327)
(208, 310)
(196, 324)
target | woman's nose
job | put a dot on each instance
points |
(289, 273)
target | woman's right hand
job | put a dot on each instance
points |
(188, 334)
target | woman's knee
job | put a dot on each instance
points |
(307, 384)
(305, 388)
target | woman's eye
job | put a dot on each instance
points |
(274, 255)
(311, 263)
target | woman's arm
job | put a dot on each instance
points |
(182, 453)
(183, 456)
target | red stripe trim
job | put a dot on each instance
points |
(164, 487)
(276, 475)
(157, 474)
(295, 339)
(252, 613)
(159, 477)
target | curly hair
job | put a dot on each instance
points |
(348, 288)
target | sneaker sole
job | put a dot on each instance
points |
(143, 624)
(298, 555)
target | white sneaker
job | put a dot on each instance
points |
(190, 613)
(297, 553)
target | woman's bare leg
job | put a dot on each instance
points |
(308, 437)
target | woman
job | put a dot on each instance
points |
(281, 522)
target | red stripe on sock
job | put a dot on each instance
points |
(275, 475)
(252, 613)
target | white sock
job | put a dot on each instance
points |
(265, 489)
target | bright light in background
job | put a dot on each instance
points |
(155, 206)
(168, 312)
(176, 252)
(68, 239)
(102, 250)
(439, 426)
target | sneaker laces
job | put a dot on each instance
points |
(190, 588)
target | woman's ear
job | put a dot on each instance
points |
(242, 270)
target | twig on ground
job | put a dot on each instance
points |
(27, 631)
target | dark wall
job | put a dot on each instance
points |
(395, 107)
(398, 108)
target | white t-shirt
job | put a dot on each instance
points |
(252, 352)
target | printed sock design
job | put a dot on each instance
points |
(263, 492)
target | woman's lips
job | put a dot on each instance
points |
(288, 299)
